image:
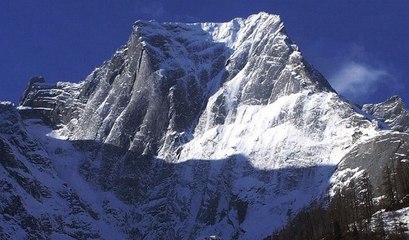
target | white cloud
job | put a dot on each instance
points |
(355, 79)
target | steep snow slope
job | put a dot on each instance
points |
(300, 130)
(205, 129)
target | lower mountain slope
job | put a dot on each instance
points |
(36, 200)
(368, 197)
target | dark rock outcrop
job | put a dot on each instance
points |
(372, 157)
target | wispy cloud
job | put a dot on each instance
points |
(356, 79)
(359, 74)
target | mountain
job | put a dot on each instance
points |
(393, 112)
(384, 150)
(189, 131)
(35, 202)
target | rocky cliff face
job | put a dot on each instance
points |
(35, 202)
(371, 157)
(393, 112)
(55, 105)
(375, 154)
(207, 129)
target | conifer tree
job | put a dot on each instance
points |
(387, 189)
(380, 232)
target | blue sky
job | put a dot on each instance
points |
(359, 45)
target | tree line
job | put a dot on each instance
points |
(353, 212)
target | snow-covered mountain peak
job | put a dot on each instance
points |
(178, 66)
(205, 128)
(393, 112)
(232, 34)
(395, 100)
(235, 32)
(219, 32)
